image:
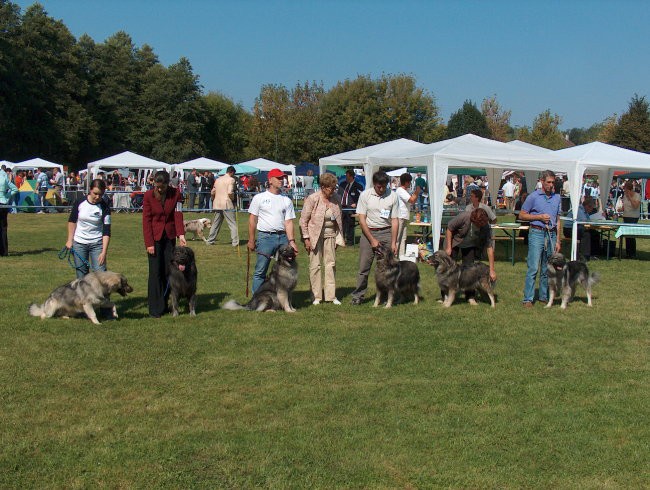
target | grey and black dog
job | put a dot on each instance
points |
(564, 276)
(453, 278)
(275, 291)
(395, 279)
(83, 295)
(183, 277)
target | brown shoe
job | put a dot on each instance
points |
(527, 304)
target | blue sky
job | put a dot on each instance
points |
(583, 60)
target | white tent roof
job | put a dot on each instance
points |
(527, 146)
(7, 163)
(126, 159)
(200, 163)
(361, 156)
(36, 163)
(468, 151)
(266, 165)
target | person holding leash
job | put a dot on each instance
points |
(271, 215)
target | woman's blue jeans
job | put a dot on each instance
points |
(541, 245)
(90, 252)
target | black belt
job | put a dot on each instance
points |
(380, 229)
(274, 232)
(543, 228)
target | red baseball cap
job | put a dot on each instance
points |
(276, 172)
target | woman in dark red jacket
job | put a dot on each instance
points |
(162, 222)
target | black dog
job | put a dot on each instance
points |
(275, 291)
(182, 278)
(395, 277)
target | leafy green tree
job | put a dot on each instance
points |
(633, 129)
(303, 122)
(271, 112)
(545, 132)
(498, 120)
(11, 82)
(170, 115)
(468, 119)
(227, 128)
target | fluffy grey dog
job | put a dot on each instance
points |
(82, 296)
(564, 276)
(453, 278)
(395, 279)
(182, 279)
(275, 291)
(196, 226)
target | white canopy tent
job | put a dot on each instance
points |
(200, 163)
(36, 163)
(265, 165)
(7, 163)
(469, 151)
(602, 160)
(129, 160)
(361, 157)
(531, 175)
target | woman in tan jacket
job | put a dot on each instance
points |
(320, 222)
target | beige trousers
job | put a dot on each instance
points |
(325, 252)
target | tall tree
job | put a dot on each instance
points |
(11, 82)
(633, 129)
(302, 125)
(468, 119)
(226, 129)
(498, 119)
(270, 114)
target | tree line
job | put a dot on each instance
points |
(75, 100)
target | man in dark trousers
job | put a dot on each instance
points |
(350, 192)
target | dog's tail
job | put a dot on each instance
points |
(233, 305)
(35, 310)
(594, 278)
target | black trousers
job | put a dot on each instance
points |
(158, 289)
(4, 241)
(348, 227)
(630, 243)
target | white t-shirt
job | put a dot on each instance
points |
(403, 202)
(509, 189)
(272, 210)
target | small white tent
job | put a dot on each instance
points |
(36, 163)
(127, 159)
(200, 163)
(265, 165)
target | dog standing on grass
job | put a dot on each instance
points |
(196, 226)
(395, 279)
(182, 279)
(453, 278)
(564, 276)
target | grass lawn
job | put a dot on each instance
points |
(329, 397)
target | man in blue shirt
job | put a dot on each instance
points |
(542, 209)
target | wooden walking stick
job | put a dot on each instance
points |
(248, 268)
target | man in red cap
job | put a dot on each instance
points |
(272, 215)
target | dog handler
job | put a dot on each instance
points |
(162, 222)
(272, 215)
(378, 212)
(223, 194)
(542, 209)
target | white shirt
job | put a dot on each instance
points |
(272, 210)
(403, 203)
(379, 210)
(509, 189)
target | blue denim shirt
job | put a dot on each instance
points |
(582, 216)
(539, 203)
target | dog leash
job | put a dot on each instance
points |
(70, 253)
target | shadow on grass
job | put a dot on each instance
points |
(32, 252)
(136, 307)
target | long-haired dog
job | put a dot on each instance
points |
(82, 296)
(182, 278)
(453, 278)
(564, 276)
(395, 279)
(196, 226)
(275, 291)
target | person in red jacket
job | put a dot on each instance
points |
(162, 222)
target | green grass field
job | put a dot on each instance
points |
(329, 397)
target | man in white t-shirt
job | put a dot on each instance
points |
(509, 193)
(271, 214)
(404, 204)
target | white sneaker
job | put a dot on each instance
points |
(336, 302)
(316, 302)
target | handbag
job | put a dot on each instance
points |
(340, 241)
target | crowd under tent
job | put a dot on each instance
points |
(140, 165)
(265, 165)
(200, 163)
